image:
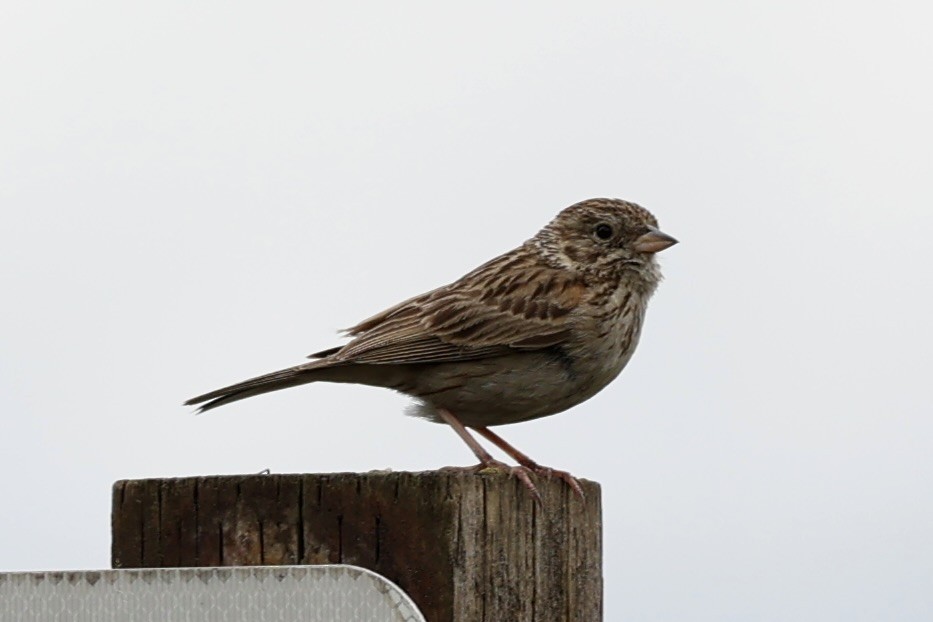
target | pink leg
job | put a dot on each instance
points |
(530, 464)
(486, 461)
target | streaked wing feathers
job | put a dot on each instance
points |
(501, 306)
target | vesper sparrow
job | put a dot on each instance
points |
(529, 334)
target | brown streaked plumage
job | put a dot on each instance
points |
(528, 334)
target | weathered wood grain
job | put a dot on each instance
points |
(465, 547)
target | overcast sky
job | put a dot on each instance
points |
(195, 193)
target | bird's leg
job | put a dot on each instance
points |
(530, 464)
(485, 458)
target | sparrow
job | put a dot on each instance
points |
(531, 333)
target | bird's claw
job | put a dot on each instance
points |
(521, 473)
(548, 472)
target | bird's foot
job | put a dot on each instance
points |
(530, 464)
(521, 473)
(548, 472)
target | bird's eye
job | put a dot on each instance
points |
(603, 231)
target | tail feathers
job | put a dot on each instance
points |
(275, 381)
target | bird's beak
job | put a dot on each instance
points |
(653, 242)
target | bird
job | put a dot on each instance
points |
(528, 334)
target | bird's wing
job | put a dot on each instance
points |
(502, 306)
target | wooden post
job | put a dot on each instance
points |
(465, 547)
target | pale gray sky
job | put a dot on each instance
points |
(191, 195)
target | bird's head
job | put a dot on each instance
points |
(604, 235)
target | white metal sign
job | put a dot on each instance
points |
(333, 593)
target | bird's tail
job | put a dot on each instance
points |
(275, 381)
